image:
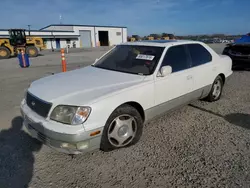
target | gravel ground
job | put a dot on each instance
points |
(199, 145)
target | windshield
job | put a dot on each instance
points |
(131, 59)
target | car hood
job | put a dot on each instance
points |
(238, 49)
(82, 85)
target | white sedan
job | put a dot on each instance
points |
(105, 105)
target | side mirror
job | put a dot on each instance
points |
(165, 70)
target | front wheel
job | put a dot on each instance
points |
(216, 90)
(122, 129)
(4, 52)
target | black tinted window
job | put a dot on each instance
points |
(176, 57)
(199, 54)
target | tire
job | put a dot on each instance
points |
(217, 85)
(32, 51)
(4, 52)
(115, 137)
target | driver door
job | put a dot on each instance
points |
(175, 88)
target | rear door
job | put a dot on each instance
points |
(204, 68)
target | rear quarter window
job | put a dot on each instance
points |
(199, 54)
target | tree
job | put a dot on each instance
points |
(164, 35)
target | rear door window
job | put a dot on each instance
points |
(177, 58)
(199, 54)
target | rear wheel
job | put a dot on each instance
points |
(216, 90)
(122, 129)
(32, 51)
(4, 52)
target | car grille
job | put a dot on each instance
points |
(37, 105)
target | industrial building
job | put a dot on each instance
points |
(58, 36)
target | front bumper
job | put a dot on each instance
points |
(67, 143)
(241, 63)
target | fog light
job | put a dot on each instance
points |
(68, 145)
(22, 113)
(82, 145)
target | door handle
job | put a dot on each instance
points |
(189, 77)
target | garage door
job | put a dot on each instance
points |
(85, 37)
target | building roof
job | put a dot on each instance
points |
(48, 36)
(41, 30)
(44, 34)
(82, 26)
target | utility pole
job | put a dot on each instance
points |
(29, 29)
(51, 41)
(60, 19)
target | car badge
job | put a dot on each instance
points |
(33, 103)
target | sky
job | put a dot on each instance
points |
(142, 17)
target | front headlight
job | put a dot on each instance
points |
(73, 115)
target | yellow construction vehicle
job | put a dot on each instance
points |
(18, 41)
(132, 39)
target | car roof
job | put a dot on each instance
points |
(160, 43)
